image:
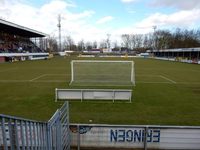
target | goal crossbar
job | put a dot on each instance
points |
(102, 61)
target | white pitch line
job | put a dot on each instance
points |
(8, 70)
(146, 75)
(172, 81)
(58, 74)
(61, 81)
(13, 81)
(194, 83)
(195, 70)
(50, 81)
(100, 85)
(38, 77)
(153, 82)
(23, 81)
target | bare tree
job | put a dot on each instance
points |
(163, 39)
(138, 40)
(116, 46)
(94, 44)
(145, 41)
(133, 41)
(126, 40)
(108, 41)
(81, 45)
(52, 44)
(103, 44)
(69, 43)
(88, 45)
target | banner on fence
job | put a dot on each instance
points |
(134, 137)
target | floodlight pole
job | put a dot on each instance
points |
(154, 37)
(59, 29)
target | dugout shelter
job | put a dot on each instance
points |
(188, 55)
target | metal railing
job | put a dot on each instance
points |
(23, 134)
(18, 133)
(58, 125)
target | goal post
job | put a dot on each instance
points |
(102, 72)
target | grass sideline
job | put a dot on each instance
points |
(166, 93)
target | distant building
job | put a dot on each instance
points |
(189, 55)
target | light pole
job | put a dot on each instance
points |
(59, 31)
(154, 37)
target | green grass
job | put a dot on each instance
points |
(166, 93)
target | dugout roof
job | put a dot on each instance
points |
(15, 29)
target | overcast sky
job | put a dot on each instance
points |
(94, 19)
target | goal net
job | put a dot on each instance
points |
(102, 72)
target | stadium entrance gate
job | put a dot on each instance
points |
(23, 134)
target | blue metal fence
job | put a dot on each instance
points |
(58, 126)
(24, 134)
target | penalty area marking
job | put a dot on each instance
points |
(145, 75)
(146, 82)
(38, 77)
(58, 74)
(43, 75)
(8, 70)
(13, 81)
(172, 81)
(50, 81)
(160, 76)
(25, 81)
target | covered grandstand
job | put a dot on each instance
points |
(188, 55)
(21, 43)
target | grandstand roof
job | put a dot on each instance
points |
(13, 28)
(177, 50)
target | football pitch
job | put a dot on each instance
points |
(166, 93)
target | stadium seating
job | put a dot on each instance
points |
(16, 44)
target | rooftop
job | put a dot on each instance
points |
(16, 29)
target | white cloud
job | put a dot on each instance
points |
(81, 25)
(182, 19)
(45, 18)
(178, 19)
(82, 15)
(104, 20)
(128, 1)
(180, 4)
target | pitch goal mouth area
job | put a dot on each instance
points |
(65, 78)
(100, 83)
(154, 79)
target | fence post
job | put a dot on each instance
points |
(4, 133)
(59, 131)
(145, 137)
(48, 137)
(78, 137)
(16, 134)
